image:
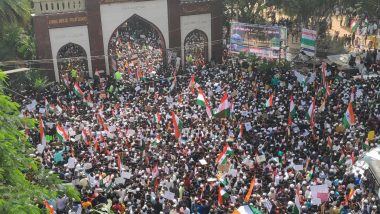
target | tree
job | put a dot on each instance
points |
(249, 11)
(14, 12)
(23, 182)
(16, 43)
(308, 12)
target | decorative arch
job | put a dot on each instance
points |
(128, 44)
(72, 56)
(196, 47)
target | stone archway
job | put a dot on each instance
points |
(72, 56)
(136, 44)
(196, 47)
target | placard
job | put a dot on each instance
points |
(169, 195)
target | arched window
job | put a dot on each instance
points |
(72, 56)
(196, 47)
(138, 45)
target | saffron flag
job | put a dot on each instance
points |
(224, 107)
(178, 125)
(248, 195)
(42, 133)
(192, 83)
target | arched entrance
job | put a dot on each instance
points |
(196, 47)
(72, 56)
(137, 45)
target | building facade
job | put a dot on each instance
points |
(88, 25)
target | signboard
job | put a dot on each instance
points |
(261, 40)
(67, 20)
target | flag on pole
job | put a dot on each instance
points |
(226, 152)
(292, 111)
(78, 91)
(49, 207)
(224, 107)
(349, 117)
(354, 25)
(329, 142)
(222, 195)
(178, 125)
(66, 80)
(192, 83)
(241, 131)
(119, 162)
(202, 101)
(84, 136)
(101, 121)
(173, 84)
(157, 117)
(248, 195)
(155, 171)
(308, 41)
(352, 97)
(310, 114)
(324, 82)
(269, 102)
(42, 133)
(62, 134)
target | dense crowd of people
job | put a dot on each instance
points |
(72, 57)
(118, 141)
(136, 46)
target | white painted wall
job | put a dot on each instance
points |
(61, 36)
(113, 15)
(189, 23)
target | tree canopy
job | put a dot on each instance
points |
(23, 182)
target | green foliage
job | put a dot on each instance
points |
(16, 43)
(308, 12)
(250, 11)
(23, 183)
(14, 12)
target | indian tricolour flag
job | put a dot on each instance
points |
(157, 117)
(310, 113)
(354, 25)
(227, 152)
(308, 41)
(173, 84)
(192, 83)
(78, 91)
(177, 124)
(62, 134)
(42, 133)
(269, 102)
(224, 107)
(247, 209)
(292, 111)
(222, 195)
(349, 117)
(202, 101)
